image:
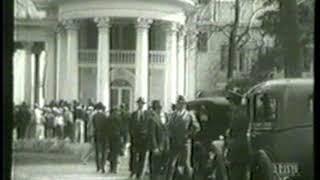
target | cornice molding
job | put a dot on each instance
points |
(102, 22)
(71, 24)
(143, 23)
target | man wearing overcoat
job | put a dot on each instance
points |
(159, 141)
(101, 127)
(115, 139)
(138, 130)
(182, 127)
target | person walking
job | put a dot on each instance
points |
(69, 126)
(90, 134)
(23, 120)
(138, 130)
(49, 123)
(79, 124)
(125, 117)
(159, 141)
(101, 127)
(238, 156)
(115, 139)
(59, 123)
(39, 122)
(182, 127)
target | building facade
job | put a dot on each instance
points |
(116, 51)
(109, 51)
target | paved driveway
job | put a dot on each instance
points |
(36, 166)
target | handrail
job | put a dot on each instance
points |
(121, 56)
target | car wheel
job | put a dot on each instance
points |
(262, 168)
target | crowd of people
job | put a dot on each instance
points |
(165, 136)
(60, 120)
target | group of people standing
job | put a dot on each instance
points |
(166, 137)
(163, 137)
(56, 120)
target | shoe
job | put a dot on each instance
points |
(132, 175)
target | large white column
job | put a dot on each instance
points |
(142, 58)
(181, 61)
(103, 62)
(50, 69)
(171, 90)
(61, 63)
(18, 76)
(59, 38)
(72, 65)
(191, 63)
(29, 74)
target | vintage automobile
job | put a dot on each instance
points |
(213, 114)
(279, 133)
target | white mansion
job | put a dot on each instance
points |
(114, 51)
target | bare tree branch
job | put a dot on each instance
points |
(248, 27)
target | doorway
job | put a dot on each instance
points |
(121, 93)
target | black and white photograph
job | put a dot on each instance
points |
(162, 90)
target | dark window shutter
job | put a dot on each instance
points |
(202, 42)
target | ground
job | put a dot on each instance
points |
(49, 166)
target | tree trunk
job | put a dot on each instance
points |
(289, 38)
(232, 41)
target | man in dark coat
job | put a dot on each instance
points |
(115, 139)
(138, 130)
(101, 127)
(125, 117)
(182, 127)
(238, 154)
(23, 120)
(159, 141)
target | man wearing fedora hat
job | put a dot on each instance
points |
(182, 127)
(138, 131)
(159, 141)
(101, 127)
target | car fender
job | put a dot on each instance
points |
(262, 158)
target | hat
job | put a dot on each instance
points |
(234, 97)
(181, 99)
(140, 100)
(155, 104)
(99, 106)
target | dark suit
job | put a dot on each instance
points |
(238, 154)
(24, 117)
(115, 140)
(138, 130)
(182, 127)
(158, 140)
(101, 127)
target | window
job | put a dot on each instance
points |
(202, 43)
(265, 111)
(310, 104)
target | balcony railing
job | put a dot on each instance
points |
(157, 57)
(122, 56)
(89, 56)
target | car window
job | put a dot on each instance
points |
(310, 104)
(265, 108)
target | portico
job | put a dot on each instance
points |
(101, 43)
